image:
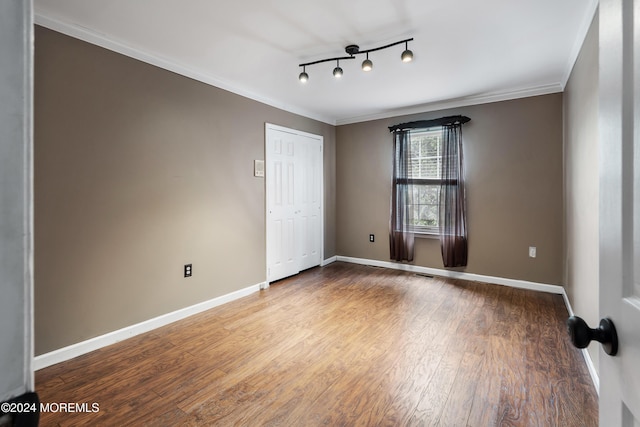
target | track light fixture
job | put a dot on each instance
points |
(352, 50)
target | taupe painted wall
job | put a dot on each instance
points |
(138, 171)
(582, 183)
(513, 160)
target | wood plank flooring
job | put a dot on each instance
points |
(342, 345)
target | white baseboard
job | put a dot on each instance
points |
(329, 261)
(592, 370)
(585, 353)
(92, 344)
(75, 350)
(514, 283)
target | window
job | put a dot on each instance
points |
(425, 174)
(428, 195)
(425, 179)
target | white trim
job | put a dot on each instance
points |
(579, 41)
(585, 353)
(592, 370)
(75, 350)
(329, 261)
(458, 102)
(279, 128)
(123, 48)
(514, 283)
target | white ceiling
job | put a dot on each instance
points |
(465, 51)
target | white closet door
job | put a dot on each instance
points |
(308, 206)
(294, 201)
(281, 207)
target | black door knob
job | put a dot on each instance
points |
(581, 334)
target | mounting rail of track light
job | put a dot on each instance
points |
(353, 50)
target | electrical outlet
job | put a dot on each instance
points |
(532, 251)
(372, 238)
(187, 270)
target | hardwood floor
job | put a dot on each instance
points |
(342, 345)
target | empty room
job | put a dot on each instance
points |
(320, 213)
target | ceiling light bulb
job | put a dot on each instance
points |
(303, 77)
(367, 65)
(407, 56)
(337, 72)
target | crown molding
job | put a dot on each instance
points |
(457, 102)
(123, 48)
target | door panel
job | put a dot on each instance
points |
(620, 207)
(281, 260)
(309, 207)
(294, 209)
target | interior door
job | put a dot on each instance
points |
(293, 163)
(281, 204)
(620, 208)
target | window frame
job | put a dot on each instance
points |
(425, 230)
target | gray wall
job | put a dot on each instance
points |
(139, 171)
(513, 161)
(16, 66)
(581, 183)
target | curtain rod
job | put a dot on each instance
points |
(421, 124)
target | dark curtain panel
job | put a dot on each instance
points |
(453, 215)
(400, 238)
